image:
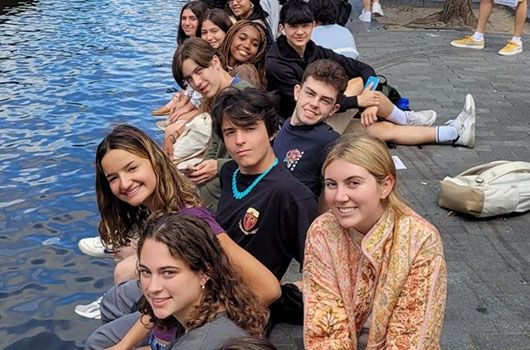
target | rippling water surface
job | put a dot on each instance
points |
(69, 70)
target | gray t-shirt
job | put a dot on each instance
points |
(210, 336)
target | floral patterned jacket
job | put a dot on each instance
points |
(395, 275)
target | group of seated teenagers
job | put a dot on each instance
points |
(288, 174)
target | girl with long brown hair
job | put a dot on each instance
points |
(134, 178)
(243, 52)
(188, 282)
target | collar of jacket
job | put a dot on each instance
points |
(283, 50)
(374, 241)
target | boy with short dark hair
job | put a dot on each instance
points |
(262, 206)
(289, 56)
(304, 138)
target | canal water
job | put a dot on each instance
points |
(69, 71)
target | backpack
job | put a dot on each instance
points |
(490, 189)
(388, 90)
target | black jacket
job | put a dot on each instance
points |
(285, 68)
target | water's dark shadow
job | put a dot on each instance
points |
(43, 341)
(7, 5)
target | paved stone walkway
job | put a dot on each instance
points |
(488, 305)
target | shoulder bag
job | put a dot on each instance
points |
(495, 188)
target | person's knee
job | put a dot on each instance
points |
(120, 300)
(108, 306)
(125, 270)
(97, 341)
(111, 333)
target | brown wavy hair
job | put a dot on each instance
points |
(120, 221)
(257, 61)
(191, 240)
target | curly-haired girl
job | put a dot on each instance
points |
(243, 52)
(188, 282)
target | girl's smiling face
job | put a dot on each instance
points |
(245, 45)
(189, 22)
(131, 178)
(169, 285)
(212, 34)
(242, 9)
(354, 195)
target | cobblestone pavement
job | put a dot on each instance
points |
(488, 304)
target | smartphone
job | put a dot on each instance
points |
(372, 80)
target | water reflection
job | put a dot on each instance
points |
(69, 70)
(11, 6)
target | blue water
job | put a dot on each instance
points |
(69, 70)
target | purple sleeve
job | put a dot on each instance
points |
(204, 214)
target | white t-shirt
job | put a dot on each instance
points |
(336, 38)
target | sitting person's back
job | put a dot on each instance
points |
(328, 33)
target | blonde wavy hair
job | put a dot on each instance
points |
(371, 154)
(120, 221)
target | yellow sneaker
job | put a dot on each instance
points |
(511, 48)
(468, 42)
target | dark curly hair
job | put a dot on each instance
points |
(192, 241)
(328, 72)
(258, 60)
(325, 11)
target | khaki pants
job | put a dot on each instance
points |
(344, 123)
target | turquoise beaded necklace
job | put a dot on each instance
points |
(240, 195)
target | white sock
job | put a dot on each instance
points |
(517, 39)
(446, 134)
(477, 36)
(397, 116)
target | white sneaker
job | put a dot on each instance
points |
(426, 118)
(377, 10)
(94, 247)
(366, 16)
(91, 310)
(464, 124)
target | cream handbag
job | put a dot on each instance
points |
(495, 188)
(193, 142)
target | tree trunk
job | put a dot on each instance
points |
(458, 12)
